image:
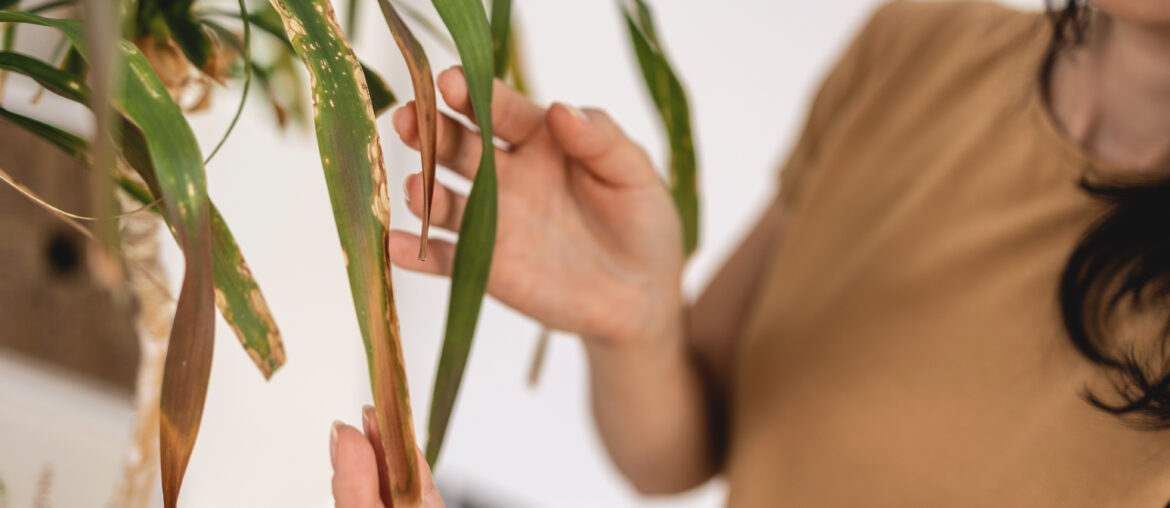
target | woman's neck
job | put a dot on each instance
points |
(1112, 94)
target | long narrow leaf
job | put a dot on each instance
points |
(7, 41)
(351, 156)
(501, 35)
(671, 100)
(468, 24)
(425, 106)
(189, 36)
(237, 295)
(63, 83)
(68, 142)
(143, 100)
(179, 165)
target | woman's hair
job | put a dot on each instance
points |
(1118, 276)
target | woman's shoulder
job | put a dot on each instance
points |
(950, 17)
(907, 30)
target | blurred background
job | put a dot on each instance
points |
(68, 354)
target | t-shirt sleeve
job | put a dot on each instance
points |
(835, 94)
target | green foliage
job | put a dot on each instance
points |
(670, 98)
(158, 144)
(468, 24)
(501, 35)
(64, 83)
(143, 100)
(241, 302)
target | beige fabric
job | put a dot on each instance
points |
(906, 350)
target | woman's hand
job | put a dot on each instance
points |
(355, 469)
(588, 240)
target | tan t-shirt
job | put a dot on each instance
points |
(907, 348)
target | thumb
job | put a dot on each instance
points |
(430, 493)
(591, 137)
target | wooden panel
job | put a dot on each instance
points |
(50, 308)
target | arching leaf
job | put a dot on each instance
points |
(468, 24)
(671, 100)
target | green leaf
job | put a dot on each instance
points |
(69, 27)
(501, 35)
(237, 295)
(74, 64)
(63, 83)
(178, 163)
(68, 142)
(351, 156)
(468, 24)
(187, 33)
(381, 98)
(671, 100)
(645, 21)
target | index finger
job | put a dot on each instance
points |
(515, 118)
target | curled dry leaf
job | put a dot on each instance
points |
(425, 105)
(168, 61)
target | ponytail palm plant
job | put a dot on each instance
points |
(157, 63)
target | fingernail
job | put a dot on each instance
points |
(406, 189)
(576, 112)
(369, 417)
(333, 442)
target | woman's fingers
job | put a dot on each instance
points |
(430, 493)
(404, 253)
(514, 117)
(355, 470)
(458, 149)
(446, 207)
(370, 426)
(592, 138)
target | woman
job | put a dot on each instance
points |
(957, 298)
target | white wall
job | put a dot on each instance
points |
(750, 66)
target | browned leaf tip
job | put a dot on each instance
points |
(187, 370)
(425, 105)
